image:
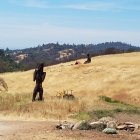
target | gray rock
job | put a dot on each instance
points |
(82, 125)
(98, 125)
(110, 131)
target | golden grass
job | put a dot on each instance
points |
(115, 76)
(20, 105)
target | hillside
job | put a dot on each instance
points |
(116, 76)
(53, 53)
(108, 86)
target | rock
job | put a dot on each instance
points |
(137, 126)
(105, 120)
(59, 126)
(129, 123)
(110, 131)
(98, 125)
(126, 127)
(112, 124)
(82, 125)
(68, 97)
(76, 126)
(64, 125)
(130, 128)
(121, 127)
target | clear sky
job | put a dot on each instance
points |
(28, 23)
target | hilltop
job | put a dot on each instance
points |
(54, 53)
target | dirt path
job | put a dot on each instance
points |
(44, 130)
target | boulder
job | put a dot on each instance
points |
(105, 120)
(129, 123)
(121, 127)
(131, 127)
(64, 125)
(110, 131)
(82, 125)
(76, 126)
(98, 125)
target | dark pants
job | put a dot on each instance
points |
(38, 88)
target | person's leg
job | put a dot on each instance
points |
(34, 93)
(40, 94)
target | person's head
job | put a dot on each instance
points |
(88, 55)
(41, 67)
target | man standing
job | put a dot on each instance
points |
(39, 77)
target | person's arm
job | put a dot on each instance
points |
(34, 75)
(43, 76)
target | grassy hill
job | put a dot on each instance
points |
(53, 53)
(113, 76)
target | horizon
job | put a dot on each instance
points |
(71, 44)
(29, 23)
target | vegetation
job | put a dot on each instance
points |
(118, 107)
(107, 86)
(52, 53)
(21, 105)
(3, 85)
(7, 64)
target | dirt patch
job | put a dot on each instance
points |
(122, 97)
(28, 130)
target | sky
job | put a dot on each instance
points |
(28, 23)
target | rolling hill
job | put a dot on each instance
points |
(53, 53)
(116, 76)
(107, 85)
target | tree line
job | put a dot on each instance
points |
(54, 53)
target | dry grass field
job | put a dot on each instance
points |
(114, 76)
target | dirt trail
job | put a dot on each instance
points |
(44, 130)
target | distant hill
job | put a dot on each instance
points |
(55, 53)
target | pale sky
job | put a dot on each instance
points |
(28, 23)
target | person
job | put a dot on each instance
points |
(39, 77)
(88, 59)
